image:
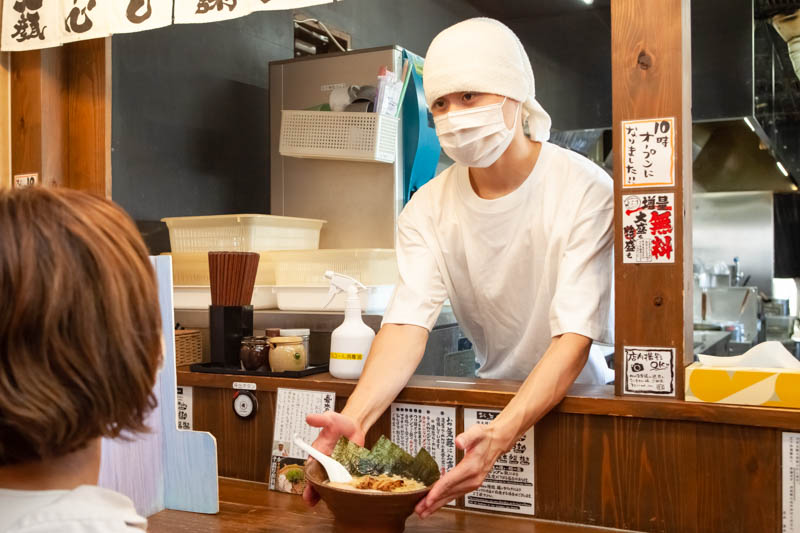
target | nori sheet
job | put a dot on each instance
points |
(349, 453)
(386, 457)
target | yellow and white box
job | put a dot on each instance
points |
(768, 387)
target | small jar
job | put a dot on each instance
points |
(254, 353)
(287, 354)
(303, 333)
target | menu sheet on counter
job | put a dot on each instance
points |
(791, 483)
(291, 409)
(426, 426)
(509, 485)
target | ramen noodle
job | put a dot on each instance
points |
(381, 483)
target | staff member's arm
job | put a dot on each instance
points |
(399, 345)
(545, 386)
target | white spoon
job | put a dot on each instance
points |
(336, 471)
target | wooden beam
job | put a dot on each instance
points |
(60, 115)
(651, 78)
(5, 121)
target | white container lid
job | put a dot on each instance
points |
(300, 332)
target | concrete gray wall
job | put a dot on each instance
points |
(189, 109)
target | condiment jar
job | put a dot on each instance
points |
(254, 353)
(286, 354)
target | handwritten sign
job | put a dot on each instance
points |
(23, 181)
(184, 403)
(286, 461)
(649, 370)
(648, 152)
(791, 482)
(426, 426)
(509, 485)
(648, 233)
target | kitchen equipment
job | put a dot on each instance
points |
(360, 199)
(287, 354)
(334, 469)
(254, 353)
(364, 511)
(776, 307)
(245, 233)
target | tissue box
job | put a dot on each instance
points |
(768, 387)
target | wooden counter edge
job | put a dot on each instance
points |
(581, 399)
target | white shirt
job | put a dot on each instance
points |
(519, 270)
(86, 509)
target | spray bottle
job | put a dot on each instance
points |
(350, 342)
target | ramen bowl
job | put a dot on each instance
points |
(361, 510)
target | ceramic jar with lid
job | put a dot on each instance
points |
(254, 353)
(287, 354)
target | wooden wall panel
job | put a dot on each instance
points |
(5, 120)
(60, 115)
(657, 475)
(651, 65)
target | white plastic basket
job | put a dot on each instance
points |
(191, 268)
(242, 233)
(199, 297)
(339, 135)
(306, 268)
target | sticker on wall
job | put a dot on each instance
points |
(791, 482)
(22, 181)
(648, 232)
(140, 15)
(195, 11)
(649, 370)
(509, 485)
(31, 24)
(184, 401)
(648, 152)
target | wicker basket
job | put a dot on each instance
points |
(188, 347)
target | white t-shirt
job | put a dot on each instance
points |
(86, 509)
(519, 269)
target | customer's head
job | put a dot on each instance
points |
(80, 328)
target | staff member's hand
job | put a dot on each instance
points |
(334, 425)
(482, 447)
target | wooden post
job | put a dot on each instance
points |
(60, 115)
(651, 79)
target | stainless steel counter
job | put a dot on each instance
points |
(711, 342)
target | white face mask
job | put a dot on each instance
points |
(475, 137)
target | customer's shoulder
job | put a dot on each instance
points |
(85, 509)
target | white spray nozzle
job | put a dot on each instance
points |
(342, 283)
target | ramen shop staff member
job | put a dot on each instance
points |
(517, 233)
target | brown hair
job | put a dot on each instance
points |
(80, 328)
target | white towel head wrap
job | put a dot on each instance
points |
(484, 55)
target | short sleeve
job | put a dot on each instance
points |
(420, 291)
(582, 300)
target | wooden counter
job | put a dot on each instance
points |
(247, 506)
(644, 464)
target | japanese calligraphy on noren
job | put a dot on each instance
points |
(648, 153)
(79, 18)
(509, 485)
(649, 370)
(204, 6)
(648, 228)
(28, 24)
(426, 426)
